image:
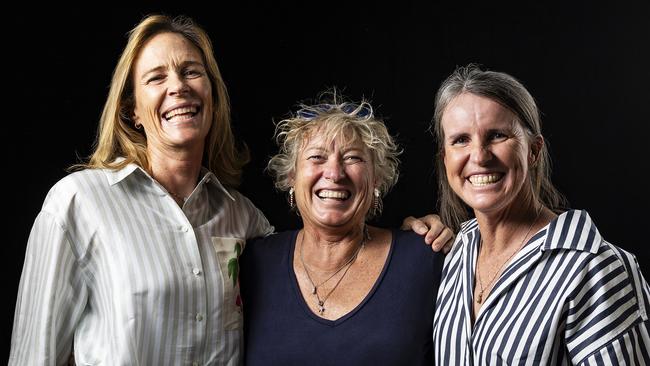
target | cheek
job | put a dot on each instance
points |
(146, 103)
(452, 162)
(305, 178)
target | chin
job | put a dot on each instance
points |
(334, 220)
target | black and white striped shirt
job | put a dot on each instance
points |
(567, 298)
(115, 263)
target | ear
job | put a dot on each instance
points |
(536, 146)
(292, 178)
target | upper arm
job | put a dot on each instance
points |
(606, 313)
(51, 296)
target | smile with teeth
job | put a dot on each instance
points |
(180, 113)
(484, 179)
(338, 195)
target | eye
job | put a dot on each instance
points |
(316, 158)
(155, 78)
(498, 136)
(460, 140)
(192, 73)
(352, 159)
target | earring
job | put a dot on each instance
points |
(138, 126)
(291, 190)
(375, 204)
(534, 159)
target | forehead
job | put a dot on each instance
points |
(325, 138)
(165, 49)
(471, 110)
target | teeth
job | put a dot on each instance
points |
(325, 193)
(482, 180)
(177, 111)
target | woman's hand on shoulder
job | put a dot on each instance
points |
(436, 234)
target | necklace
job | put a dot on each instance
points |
(177, 197)
(479, 298)
(348, 263)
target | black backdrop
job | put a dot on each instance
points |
(586, 65)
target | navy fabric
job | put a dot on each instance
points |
(391, 326)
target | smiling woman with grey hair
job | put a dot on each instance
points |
(527, 282)
(338, 282)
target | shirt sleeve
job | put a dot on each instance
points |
(51, 297)
(607, 320)
(258, 225)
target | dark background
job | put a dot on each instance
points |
(587, 66)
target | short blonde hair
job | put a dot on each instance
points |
(117, 135)
(336, 121)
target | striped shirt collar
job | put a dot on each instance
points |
(572, 230)
(116, 176)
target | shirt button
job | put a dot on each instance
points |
(196, 271)
(199, 317)
(185, 229)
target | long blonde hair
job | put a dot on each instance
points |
(117, 135)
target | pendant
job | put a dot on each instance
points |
(479, 298)
(314, 291)
(321, 307)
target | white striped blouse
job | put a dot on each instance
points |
(567, 298)
(113, 262)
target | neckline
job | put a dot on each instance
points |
(514, 262)
(302, 301)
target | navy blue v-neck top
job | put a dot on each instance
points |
(391, 326)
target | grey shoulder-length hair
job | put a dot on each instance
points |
(510, 93)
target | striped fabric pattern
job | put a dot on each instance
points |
(567, 298)
(115, 264)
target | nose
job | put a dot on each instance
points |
(177, 85)
(481, 153)
(334, 170)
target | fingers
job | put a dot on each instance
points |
(435, 227)
(411, 223)
(440, 237)
(444, 241)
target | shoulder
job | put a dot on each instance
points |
(273, 239)
(242, 209)
(608, 292)
(74, 187)
(415, 248)
(266, 255)
(80, 180)
(273, 244)
(234, 198)
(612, 261)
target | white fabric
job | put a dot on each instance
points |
(115, 263)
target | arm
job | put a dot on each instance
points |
(51, 297)
(439, 236)
(607, 321)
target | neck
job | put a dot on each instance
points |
(326, 251)
(177, 172)
(507, 229)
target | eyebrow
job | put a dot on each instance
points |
(163, 67)
(344, 150)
